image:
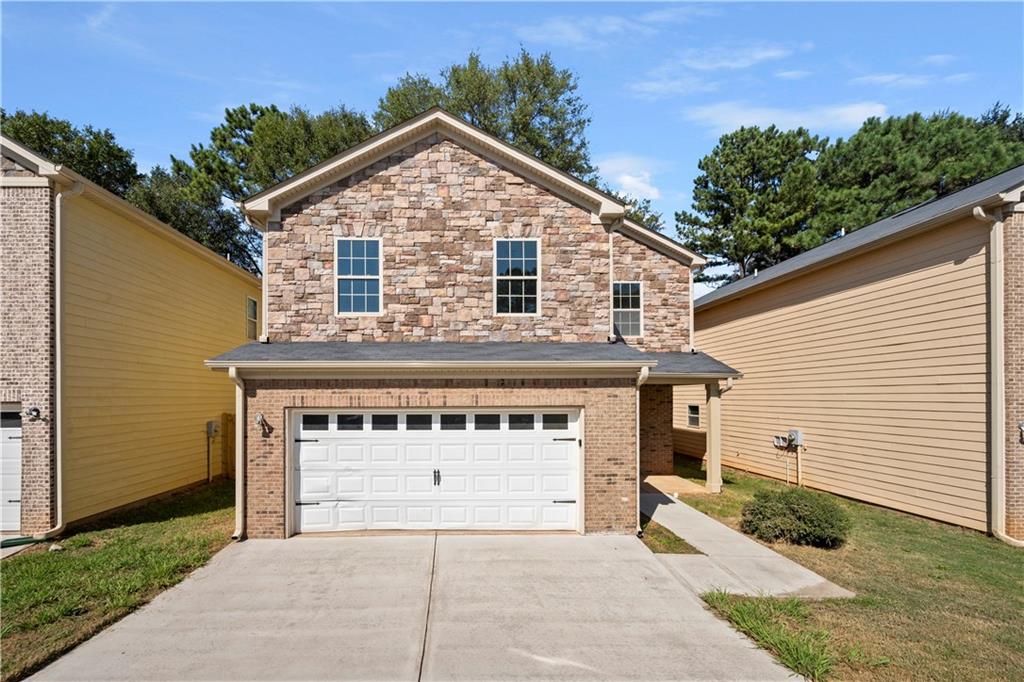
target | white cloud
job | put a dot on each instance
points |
(792, 75)
(592, 32)
(894, 80)
(631, 174)
(937, 60)
(724, 117)
(662, 83)
(101, 17)
(958, 77)
(581, 31)
(731, 57)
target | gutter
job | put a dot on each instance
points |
(57, 413)
(422, 364)
(997, 388)
(239, 533)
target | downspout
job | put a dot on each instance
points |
(997, 417)
(693, 332)
(57, 414)
(611, 287)
(239, 453)
(640, 381)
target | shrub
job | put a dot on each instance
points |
(797, 516)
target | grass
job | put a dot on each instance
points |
(935, 602)
(661, 540)
(52, 601)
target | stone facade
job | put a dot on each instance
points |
(27, 334)
(665, 294)
(1013, 358)
(437, 207)
(656, 450)
(609, 466)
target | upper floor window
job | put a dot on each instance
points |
(252, 319)
(358, 276)
(517, 276)
(627, 309)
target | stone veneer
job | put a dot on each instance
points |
(27, 335)
(438, 208)
(609, 441)
(1013, 363)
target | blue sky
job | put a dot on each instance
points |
(662, 80)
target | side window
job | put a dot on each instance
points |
(252, 319)
(693, 416)
(516, 276)
(627, 309)
(357, 271)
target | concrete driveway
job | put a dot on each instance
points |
(465, 607)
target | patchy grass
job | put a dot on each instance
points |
(661, 540)
(52, 601)
(934, 601)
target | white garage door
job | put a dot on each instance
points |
(10, 467)
(493, 470)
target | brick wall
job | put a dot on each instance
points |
(1013, 320)
(27, 335)
(656, 451)
(437, 208)
(609, 439)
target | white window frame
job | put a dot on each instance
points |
(641, 310)
(254, 320)
(380, 276)
(494, 275)
(689, 416)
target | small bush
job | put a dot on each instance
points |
(797, 516)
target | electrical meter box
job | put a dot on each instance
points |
(796, 437)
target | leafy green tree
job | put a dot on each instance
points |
(259, 146)
(93, 153)
(1009, 123)
(753, 198)
(412, 95)
(168, 197)
(890, 165)
(526, 101)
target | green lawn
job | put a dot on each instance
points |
(935, 602)
(661, 540)
(51, 601)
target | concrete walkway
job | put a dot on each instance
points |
(731, 561)
(408, 607)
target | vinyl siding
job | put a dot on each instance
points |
(880, 360)
(141, 314)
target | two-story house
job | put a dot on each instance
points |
(458, 336)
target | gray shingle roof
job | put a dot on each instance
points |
(484, 352)
(689, 364)
(888, 228)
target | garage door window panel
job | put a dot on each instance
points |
(384, 422)
(419, 422)
(350, 422)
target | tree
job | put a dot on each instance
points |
(888, 166)
(259, 146)
(1009, 123)
(167, 196)
(93, 153)
(753, 198)
(527, 101)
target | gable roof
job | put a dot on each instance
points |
(265, 206)
(1002, 188)
(63, 176)
(659, 242)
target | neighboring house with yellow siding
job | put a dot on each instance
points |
(107, 317)
(897, 351)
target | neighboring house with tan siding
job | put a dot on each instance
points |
(457, 336)
(897, 351)
(106, 318)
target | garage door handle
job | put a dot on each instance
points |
(563, 501)
(9, 501)
(307, 440)
(305, 504)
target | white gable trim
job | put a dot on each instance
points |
(661, 243)
(266, 206)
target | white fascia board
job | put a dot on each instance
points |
(408, 365)
(662, 244)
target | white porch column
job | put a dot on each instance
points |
(714, 437)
